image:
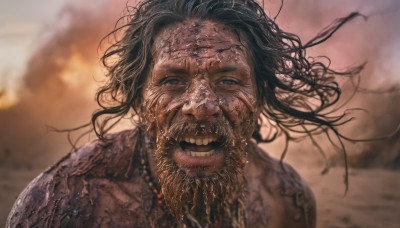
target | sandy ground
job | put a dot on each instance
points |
(372, 201)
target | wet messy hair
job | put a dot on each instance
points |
(296, 93)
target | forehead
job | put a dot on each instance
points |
(202, 32)
(198, 39)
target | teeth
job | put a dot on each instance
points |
(199, 141)
(200, 154)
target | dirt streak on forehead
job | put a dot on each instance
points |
(198, 39)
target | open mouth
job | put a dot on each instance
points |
(200, 151)
(200, 146)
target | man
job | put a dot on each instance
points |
(200, 75)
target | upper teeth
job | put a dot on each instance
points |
(199, 141)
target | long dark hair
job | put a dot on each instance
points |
(296, 92)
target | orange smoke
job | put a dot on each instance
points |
(7, 99)
(58, 85)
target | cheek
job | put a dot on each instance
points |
(150, 108)
(162, 106)
(239, 108)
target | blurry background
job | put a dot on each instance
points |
(50, 69)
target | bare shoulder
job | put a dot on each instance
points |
(287, 197)
(64, 195)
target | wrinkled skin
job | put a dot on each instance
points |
(202, 75)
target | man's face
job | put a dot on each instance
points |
(202, 73)
(199, 104)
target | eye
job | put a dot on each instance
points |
(228, 82)
(172, 81)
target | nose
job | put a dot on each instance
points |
(202, 103)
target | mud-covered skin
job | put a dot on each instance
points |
(100, 186)
(201, 70)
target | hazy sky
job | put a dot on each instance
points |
(21, 22)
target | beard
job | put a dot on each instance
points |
(203, 201)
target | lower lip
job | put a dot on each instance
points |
(185, 160)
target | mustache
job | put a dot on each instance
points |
(189, 126)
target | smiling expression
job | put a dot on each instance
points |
(202, 76)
